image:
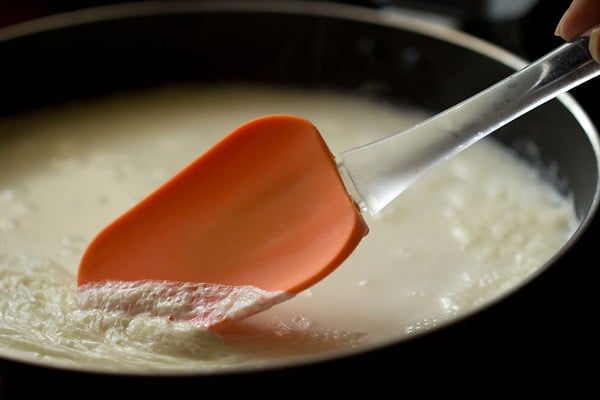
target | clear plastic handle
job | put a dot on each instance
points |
(378, 172)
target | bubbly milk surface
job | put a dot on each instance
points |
(466, 233)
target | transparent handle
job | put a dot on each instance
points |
(378, 172)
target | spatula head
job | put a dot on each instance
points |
(264, 207)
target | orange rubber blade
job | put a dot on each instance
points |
(264, 207)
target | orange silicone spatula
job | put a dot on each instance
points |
(268, 211)
(265, 208)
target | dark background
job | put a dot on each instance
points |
(554, 332)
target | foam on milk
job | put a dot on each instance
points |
(205, 305)
(466, 233)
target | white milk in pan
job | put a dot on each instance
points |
(464, 234)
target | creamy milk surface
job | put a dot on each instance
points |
(466, 233)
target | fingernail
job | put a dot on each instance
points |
(594, 44)
(557, 31)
